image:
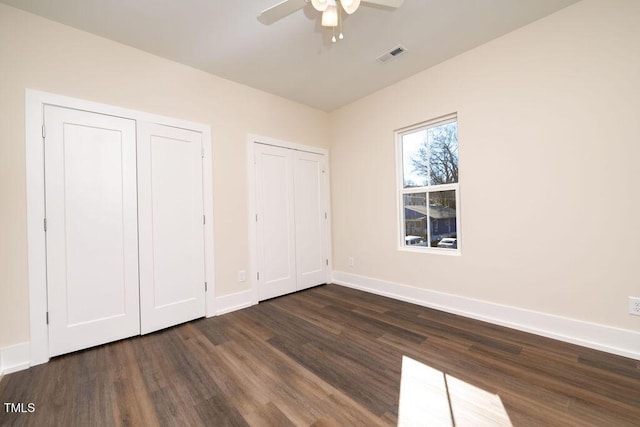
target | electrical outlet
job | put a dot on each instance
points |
(351, 262)
(634, 306)
(242, 276)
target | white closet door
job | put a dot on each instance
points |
(275, 227)
(92, 251)
(171, 226)
(310, 220)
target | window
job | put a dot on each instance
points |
(428, 193)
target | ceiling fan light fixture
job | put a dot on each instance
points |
(320, 5)
(330, 16)
(350, 6)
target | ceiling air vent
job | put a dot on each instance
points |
(391, 54)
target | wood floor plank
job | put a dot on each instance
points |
(230, 376)
(529, 385)
(126, 380)
(311, 312)
(268, 415)
(341, 297)
(327, 356)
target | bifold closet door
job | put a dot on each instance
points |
(275, 222)
(171, 226)
(291, 220)
(91, 229)
(310, 219)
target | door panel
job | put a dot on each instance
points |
(275, 226)
(171, 226)
(311, 263)
(92, 251)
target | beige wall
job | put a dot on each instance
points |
(40, 54)
(549, 134)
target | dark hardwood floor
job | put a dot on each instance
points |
(330, 356)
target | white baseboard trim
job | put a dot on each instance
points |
(14, 358)
(239, 300)
(600, 337)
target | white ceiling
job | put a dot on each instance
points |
(294, 57)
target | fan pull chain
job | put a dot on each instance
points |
(340, 22)
(340, 36)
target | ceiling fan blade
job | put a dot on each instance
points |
(385, 3)
(280, 10)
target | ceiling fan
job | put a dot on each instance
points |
(331, 9)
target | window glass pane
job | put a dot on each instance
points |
(442, 219)
(429, 165)
(442, 154)
(415, 219)
(414, 159)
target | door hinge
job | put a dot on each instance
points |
(327, 261)
(256, 217)
(44, 132)
(45, 224)
(202, 152)
(47, 317)
(258, 275)
(325, 215)
(204, 219)
(205, 287)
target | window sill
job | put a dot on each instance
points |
(433, 251)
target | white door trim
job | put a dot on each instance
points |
(253, 139)
(34, 118)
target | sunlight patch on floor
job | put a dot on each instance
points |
(429, 397)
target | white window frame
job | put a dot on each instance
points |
(401, 191)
